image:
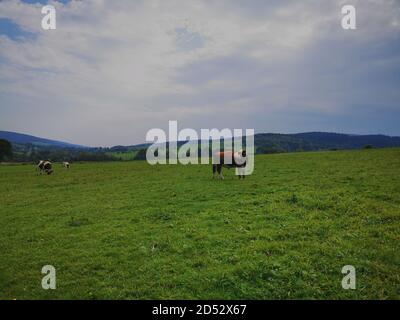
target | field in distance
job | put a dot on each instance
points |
(128, 230)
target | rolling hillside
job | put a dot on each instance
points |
(313, 141)
(20, 138)
(31, 148)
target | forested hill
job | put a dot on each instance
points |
(270, 142)
(31, 148)
(21, 138)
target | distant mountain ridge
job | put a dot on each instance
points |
(349, 140)
(311, 141)
(21, 138)
(264, 142)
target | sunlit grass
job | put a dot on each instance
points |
(128, 230)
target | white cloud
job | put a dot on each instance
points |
(114, 69)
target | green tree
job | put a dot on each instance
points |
(5, 149)
(141, 155)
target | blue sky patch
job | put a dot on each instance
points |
(13, 30)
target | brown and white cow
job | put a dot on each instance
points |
(230, 159)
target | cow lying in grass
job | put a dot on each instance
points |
(45, 166)
(230, 159)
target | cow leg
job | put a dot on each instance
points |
(219, 168)
(214, 167)
(241, 172)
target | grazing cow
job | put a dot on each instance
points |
(65, 164)
(48, 167)
(39, 167)
(45, 166)
(230, 159)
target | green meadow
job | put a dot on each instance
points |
(128, 230)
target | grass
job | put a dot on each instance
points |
(123, 156)
(128, 230)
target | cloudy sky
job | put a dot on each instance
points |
(112, 70)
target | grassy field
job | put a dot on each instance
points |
(128, 230)
(123, 156)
